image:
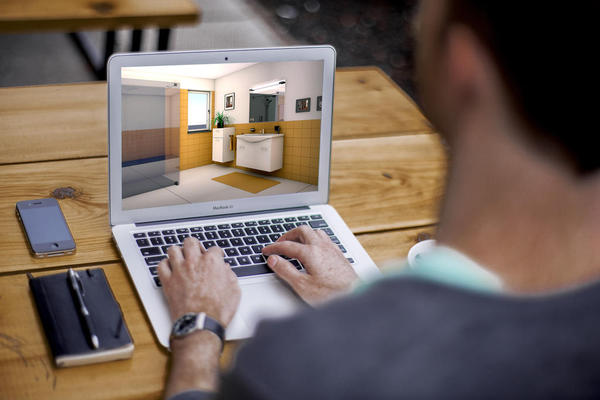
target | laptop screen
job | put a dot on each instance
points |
(216, 132)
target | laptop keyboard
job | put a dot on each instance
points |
(242, 242)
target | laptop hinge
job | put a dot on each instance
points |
(220, 216)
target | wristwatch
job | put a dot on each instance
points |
(192, 322)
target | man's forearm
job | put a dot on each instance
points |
(195, 363)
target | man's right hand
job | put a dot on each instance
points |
(329, 274)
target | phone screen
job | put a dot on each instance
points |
(45, 224)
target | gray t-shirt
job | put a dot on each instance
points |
(412, 338)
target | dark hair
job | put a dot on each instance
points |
(545, 51)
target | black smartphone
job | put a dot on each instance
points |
(45, 227)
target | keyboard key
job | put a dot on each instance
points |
(157, 241)
(165, 249)
(250, 240)
(182, 230)
(296, 264)
(250, 223)
(224, 226)
(303, 218)
(150, 251)
(238, 232)
(142, 242)
(274, 237)
(257, 248)
(225, 234)
(170, 239)
(196, 229)
(157, 281)
(277, 221)
(258, 269)
(208, 244)
(301, 223)
(251, 231)
(277, 228)
(154, 233)
(290, 219)
(243, 260)
(289, 227)
(263, 239)
(154, 260)
(168, 232)
(182, 237)
(210, 228)
(236, 242)
(319, 223)
(328, 231)
(222, 243)
(316, 216)
(350, 260)
(334, 239)
(257, 258)
(154, 271)
(264, 222)
(342, 248)
(198, 235)
(245, 250)
(139, 235)
(264, 229)
(231, 262)
(211, 235)
(237, 225)
(232, 252)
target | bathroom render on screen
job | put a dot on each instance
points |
(197, 133)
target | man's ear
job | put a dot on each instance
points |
(464, 72)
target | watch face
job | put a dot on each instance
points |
(185, 324)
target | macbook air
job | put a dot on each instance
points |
(231, 147)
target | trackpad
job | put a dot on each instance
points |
(267, 300)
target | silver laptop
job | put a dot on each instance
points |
(175, 171)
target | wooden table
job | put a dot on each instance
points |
(74, 16)
(387, 177)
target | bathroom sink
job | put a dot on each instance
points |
(258, 137)
(261, 151)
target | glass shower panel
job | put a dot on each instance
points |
(150, 142)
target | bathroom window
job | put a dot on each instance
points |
(198, 111)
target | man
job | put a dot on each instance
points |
(523, 200)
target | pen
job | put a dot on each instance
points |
(84, 313)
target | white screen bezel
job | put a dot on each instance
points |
(214, 208)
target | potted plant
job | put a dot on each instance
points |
(221, 119)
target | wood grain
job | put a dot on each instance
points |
(376, 184)
(388, 246)
(27, 369)
(53, 122)
(86, 213)
(368, 103)
(74, 15)
(57, 122)
(387, 183)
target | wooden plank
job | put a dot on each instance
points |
(385, 247)
(368, 103)
(376, 184)
(86, 212)
(74, 15)
(57, 122)
(387, 183)
(53, 122)
(27, 369)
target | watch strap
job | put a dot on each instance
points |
(203, 322)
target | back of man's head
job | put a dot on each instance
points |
(544, 51)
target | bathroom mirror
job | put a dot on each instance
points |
(267, 101)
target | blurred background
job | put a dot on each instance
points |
(375, 32)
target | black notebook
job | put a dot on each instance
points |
(65, 326)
